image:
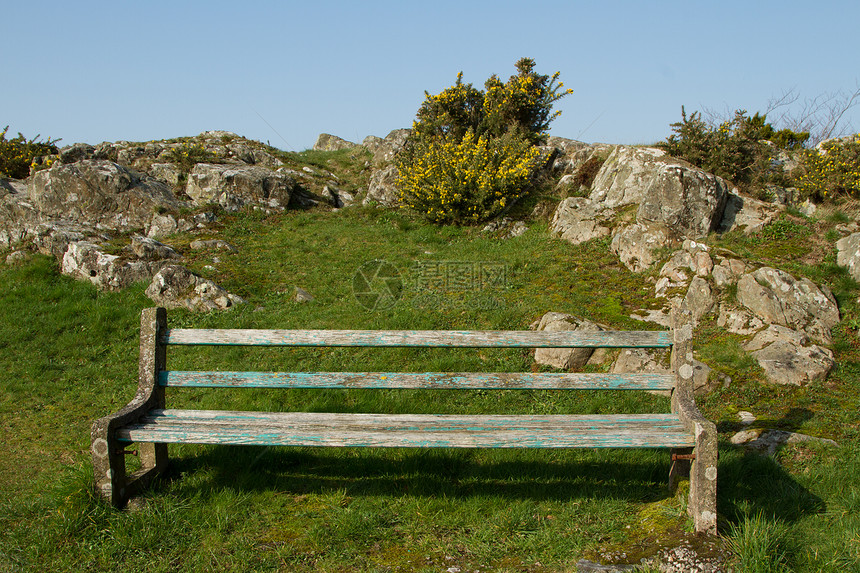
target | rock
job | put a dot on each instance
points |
(662, 317)
(778, 298)
(17, 257)
(303, 296)
(770, 441)
(570, 154)
(807, 208)
(747, 214)
(577, 220)
(170, 173)
(383, 187)
(746, 418)
(385, 150)
(688, 200)
(234, 186)
(86, 261)
(213, 244)
(636, 244)
(848, 254)
(586, 566)
(699, 298)
(727, 272)
(77, 152)
(177, 287)
(625, 176)
(655, 361)
(738, 320)
(147, 249)
(787, 356)
(99, 193)
(327, 142)
(564, 358)
(507, 227)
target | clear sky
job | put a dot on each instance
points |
(284, 72)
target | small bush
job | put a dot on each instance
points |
(736, 150)
(187, 155)
(471, 153)
(832, 172)
(18, 154)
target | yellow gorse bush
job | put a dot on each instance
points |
(469, 180)
(472, 153)
(19, 155)
(833, 171)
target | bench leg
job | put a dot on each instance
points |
(112, 482)
(700, 465)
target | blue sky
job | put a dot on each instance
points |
(285, 72)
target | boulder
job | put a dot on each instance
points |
(778, 298)
(564, 358)
(699, 298)
(738, 320)
(86, 261)
(848, 254)
(727, 272)
(163, 225)
(747, 214)
(385, 150)
(77, 152)
(625, 176)
(688, 200)
(570, 154)
(175, 286)
(327, 142)
(769, 442)
(655, 361)
(170, 173)
(383, 187)
(212, 244)
(99, 193)
(788, 357)
(147, 249)
(234, 186)
(577, 220)
(636, 244)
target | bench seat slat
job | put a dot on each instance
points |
(403, 430)
(416, 380)
(420, 338)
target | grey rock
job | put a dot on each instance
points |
(77, 152)
(99, 193)
(212, 244)
(86, 261)
(163, 225)
(778, 298)
(577, 220)
(385, 150)
(564, 358)
(147, 249)
(747, 214)
(170, 173)
(738, 320)
(848, 254)
(234, 186)
(770, 441)
(727, 272)
(17, 257)
(788, 357)
(175, 286)
(656, 361)
(699, 298)
(636, 244)
(625, 176)
(303, 296)
(383, 187)
(328, 142)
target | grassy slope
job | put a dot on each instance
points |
(68, 354)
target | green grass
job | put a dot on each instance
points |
(68, 354)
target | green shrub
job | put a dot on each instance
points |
(18, 154)
(736, 150)
(471, 153)
(187, 155)
(833, 171)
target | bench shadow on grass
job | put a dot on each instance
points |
(749, 483)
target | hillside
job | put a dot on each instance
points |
(612, 234)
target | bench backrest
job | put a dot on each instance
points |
(423, 339)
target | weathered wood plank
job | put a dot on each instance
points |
(377, 430)
(416, 380)
(421, 338)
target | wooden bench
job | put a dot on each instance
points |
(146, 421)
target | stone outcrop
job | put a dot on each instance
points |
(234, 186)
(636, 245)
(788, 357)
(578, 219)
(86, 261)
(747, 214)
(175, 286)
(383, 188)
(328, 142)
(778, 298)
(99, 193)
(848, 254)
(769, 441)
(564, 358)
